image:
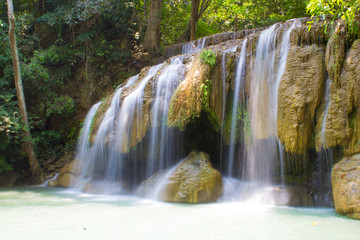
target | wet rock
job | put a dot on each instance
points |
(343, 120)
(193, 181)
(188, 99)
(345, 179)
(292, 196)
(67, 176)
(148, 188)
(299, 96)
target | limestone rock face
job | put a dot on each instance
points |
(346, 186)
(343, 120)
(299, 96)
(187, 101)
(193, 181)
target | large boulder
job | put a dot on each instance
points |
(346, 186)
(193, 181)
(67, 176)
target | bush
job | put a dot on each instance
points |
(347, 10)
(208, 56)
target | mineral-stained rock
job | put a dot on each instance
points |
(343, 119)
(299, 96)
(346, 186)
(193, 181)
(188, 99)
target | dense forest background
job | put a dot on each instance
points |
(75, 52)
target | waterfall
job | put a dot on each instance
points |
(327, 105)
(321, 180)
(162, 147)
(285, 46)
(193, 46)
(116, 155)
(266, 150)
(89, 158)
(83, 142)
(236, 103)
(104, 161)
(133, 141)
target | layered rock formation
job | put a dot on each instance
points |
(346, 186)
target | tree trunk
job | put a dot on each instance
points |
(194, 18)
(236, 23)
(152, 35)
(197, 11)
(33, 162)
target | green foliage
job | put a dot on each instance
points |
(62, 105)
(208, 56)
(346, 10)
(205, 89)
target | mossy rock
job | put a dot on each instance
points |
(188, 99)
(345, 179)
(193, 181)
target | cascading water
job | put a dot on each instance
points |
(265, 150)
(321, 180)
(83, 144)
(236, 103)
(105, 160)
(89, 156)
(327, 105)
(284, 51)
(133, 141)
(223, 75)
(193, 46)
(103, 164)
(162, 147)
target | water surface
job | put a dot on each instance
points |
(53, 213)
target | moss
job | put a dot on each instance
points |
(191, 96)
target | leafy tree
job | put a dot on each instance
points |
(33, 162)
(346, 10)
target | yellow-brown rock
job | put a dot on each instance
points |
(67, 176)
(342, 125)
(188, 99)
(299, 96)
(335, 52)
(194, 181)
(345, 180)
